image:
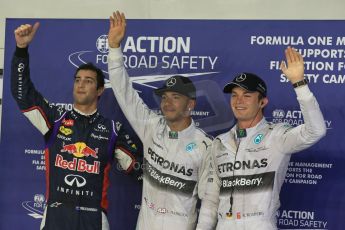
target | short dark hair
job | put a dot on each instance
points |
(98, 71)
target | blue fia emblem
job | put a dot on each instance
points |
(258, 138)
(190, 147)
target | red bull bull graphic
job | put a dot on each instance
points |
(80, 149)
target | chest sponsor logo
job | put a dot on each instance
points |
(98, 137)
(247, 183)
(68, 122)
(62, 137)
(190, 147)
(75, 180)
(258, 139)
(166, 181)
(78, 165)
(65, 131)
(80, 149)
(242, 165)
(101, 128)
(172, 166)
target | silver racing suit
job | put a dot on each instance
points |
(174, 175)
(253, 169)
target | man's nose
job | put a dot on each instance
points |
(239, 100)
(81, 83)
(167, 101)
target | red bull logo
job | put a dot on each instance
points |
(80, 149)
(78, 165)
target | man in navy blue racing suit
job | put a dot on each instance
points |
(80, 144)
(250, 160)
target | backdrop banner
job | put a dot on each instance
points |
(211, 53)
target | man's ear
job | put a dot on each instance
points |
(264, 102)
(100, 90)
(191, 104)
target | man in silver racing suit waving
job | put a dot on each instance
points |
(175, 151)
(250, 161)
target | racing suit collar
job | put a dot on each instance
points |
(84, 114)
(186, 132)
(90, 118)
(230, 137)
(250, 131)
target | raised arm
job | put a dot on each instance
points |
(314, 128)
(135, 110)
(24, 34)
(30, 101)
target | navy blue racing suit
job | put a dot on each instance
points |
(79, 150)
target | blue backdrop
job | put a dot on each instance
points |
(211, 53)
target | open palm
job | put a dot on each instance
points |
(117, 29)
(294, 69)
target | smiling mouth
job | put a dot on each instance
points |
(240, 108)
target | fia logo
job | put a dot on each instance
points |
(36, 206)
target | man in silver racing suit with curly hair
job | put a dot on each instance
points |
(175, 151)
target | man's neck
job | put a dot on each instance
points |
(180, 125)
(249, 123)
(85, 110)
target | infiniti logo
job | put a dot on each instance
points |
(102, 127)
(20, 67)
(171, 82)
(72, 179)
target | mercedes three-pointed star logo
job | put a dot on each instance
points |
(171, 82)
(241, 78)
